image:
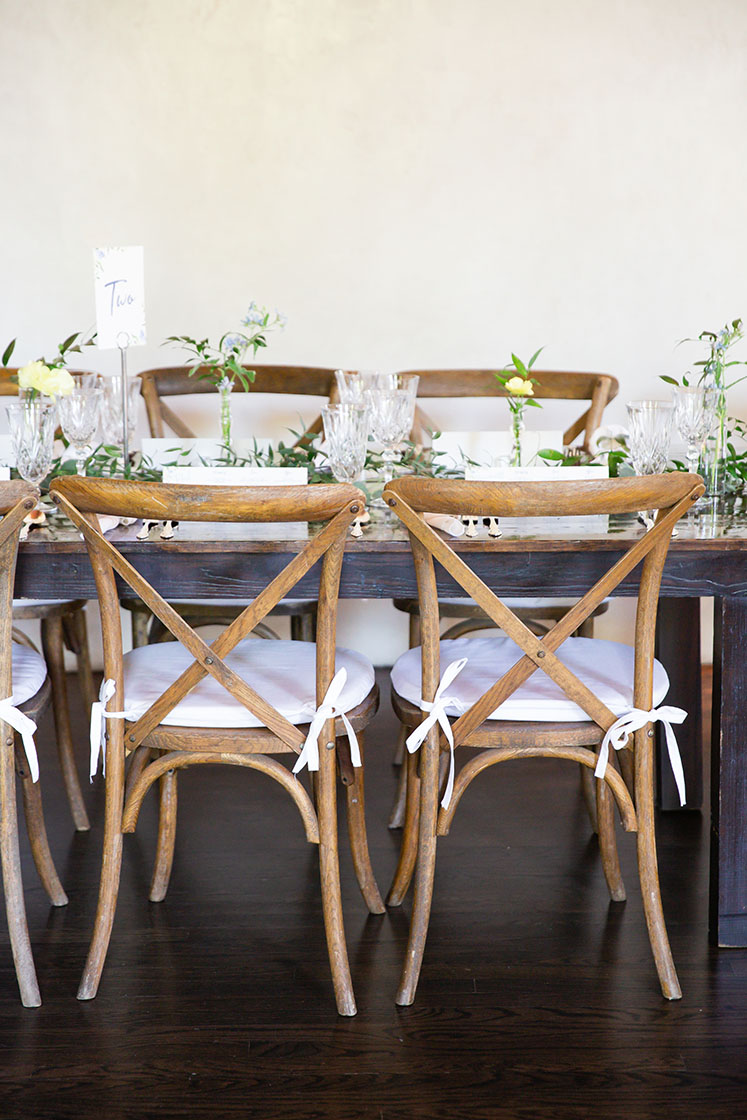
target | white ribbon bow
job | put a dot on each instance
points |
(328, 709)
(634, 720)
(437, 714)
(98, 733)
(25, 727)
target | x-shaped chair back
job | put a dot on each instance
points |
(82, 499)
(670, 495)
(175, 381)
(596, 388)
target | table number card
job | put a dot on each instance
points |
(119, 281)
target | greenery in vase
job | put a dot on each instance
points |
(48, 378)
(713, 374)
(519, 385)
(225, 362)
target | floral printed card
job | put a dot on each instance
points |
(119, 281)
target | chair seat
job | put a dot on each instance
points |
(605, 667)
(282, 672)
(29, 673)
(529, 604)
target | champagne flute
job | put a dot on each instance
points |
(694, 414)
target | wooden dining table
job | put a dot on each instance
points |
(549, 557)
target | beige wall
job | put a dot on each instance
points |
(413, 182)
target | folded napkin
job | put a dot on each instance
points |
(445, 522)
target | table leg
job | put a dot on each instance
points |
(728, 918)
(678, 649)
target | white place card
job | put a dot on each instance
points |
(119, 282)
(491, 449)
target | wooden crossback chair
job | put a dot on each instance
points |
(417, 674)
(242, 727)
(596, 388)
(63, 625)
(159, 385)
(24, 693)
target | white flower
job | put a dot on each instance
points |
(54, 381)
(518, 387)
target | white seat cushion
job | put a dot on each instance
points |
(283, 673)
(42, 602)
(29, 673)
(605, 667)
(531, 604)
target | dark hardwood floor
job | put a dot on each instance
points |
(538, 998)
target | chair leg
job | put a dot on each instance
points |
(356, 812)
(10, 858)
(37, 832)
(111, 865)
(408, 851)
(51, 636)
(329, 869)
(424, 872)
(79, 634)
(164, 861)
(140, 618)
(397, 814)
(648, 869)
(590, 794)
(607, 842)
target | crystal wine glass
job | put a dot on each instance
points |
(32, 427)
(111, 410)
(391, 421)
(650, 425)
(79, 415)
(694, 415)
(346, 428)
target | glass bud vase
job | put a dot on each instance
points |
(712, 458)
(517, 429)
(225, 387)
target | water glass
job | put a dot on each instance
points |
(346, 428)
(694, 415)
(79, 415)
(650, 428)
(111, 410)
(352, 385)
(32, 426)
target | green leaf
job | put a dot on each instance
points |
(669, 380)
(7, 352)
(65, 346)
(534, 357)
(551, 454)
(518, 364)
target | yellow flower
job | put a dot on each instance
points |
(518, 387)
(52, 382)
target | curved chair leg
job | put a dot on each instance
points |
(356, 812)
(424, 872)
(329, 869)
(408, 851)
(75, 627)
(111, 865)
(648, 869)
(607, 842)
(397, 815)
(589, 793)
(164, 861)
(12, 883)
(52, 645)
(37, 832)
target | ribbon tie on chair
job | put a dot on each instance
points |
(98, 733)
(328, 709)
(25, 727)
(437, 715)
(618, 734)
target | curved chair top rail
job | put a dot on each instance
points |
(161, 501)
(543, 499)
(17, 491)
(175, 381)
(555, 384)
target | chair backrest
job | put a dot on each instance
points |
(175, 381)
(16, 500)
(82, 499)
(670, 494)
(596, 388)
